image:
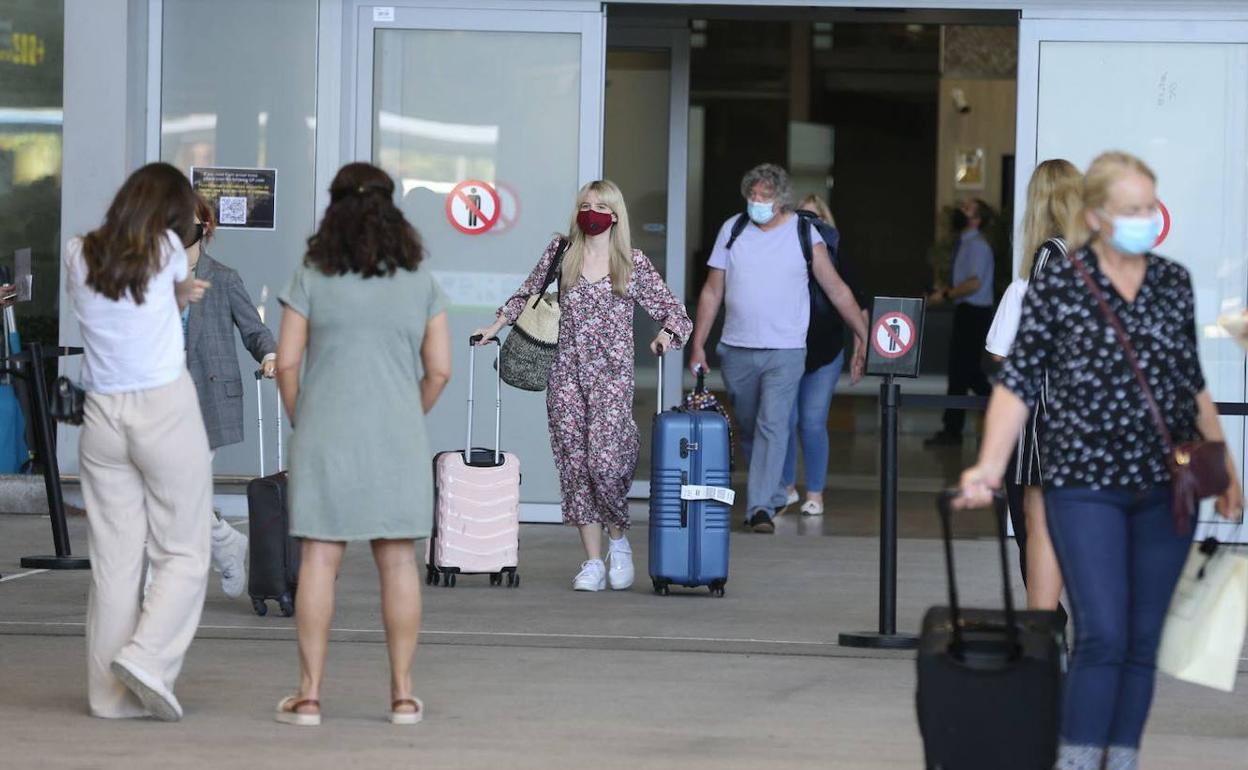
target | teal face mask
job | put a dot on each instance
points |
(1135, 235)
(761, 213)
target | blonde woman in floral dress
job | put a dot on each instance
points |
(589, 398)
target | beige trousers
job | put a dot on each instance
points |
(147, 481)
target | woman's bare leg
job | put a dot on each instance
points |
(400, 610)
(1044, 577)
(314, 613)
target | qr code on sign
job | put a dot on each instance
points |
(232, 211)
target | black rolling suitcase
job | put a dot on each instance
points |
(990, 681)
(273, 559)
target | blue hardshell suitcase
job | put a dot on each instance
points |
(688, 538)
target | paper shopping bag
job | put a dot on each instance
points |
(1204, 631)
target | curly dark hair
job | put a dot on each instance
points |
(362, 230)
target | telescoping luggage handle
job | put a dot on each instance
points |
(260, 422)
(945, 505)
(498, 397)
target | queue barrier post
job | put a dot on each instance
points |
(45, 445)
(886, 637)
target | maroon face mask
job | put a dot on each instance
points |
(593, 222)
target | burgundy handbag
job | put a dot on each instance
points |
(1197, 468)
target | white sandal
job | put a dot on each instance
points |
(812, 508)
(406, 717)
(288, 712)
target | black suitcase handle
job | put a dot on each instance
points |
(944, 503)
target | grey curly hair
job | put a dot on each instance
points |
(774, 177)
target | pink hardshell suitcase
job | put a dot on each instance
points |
(476, 516)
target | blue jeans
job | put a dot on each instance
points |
(762, 386)
(1121, 558)
(809, 421)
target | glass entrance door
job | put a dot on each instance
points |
(1174, 96)
(489, 122)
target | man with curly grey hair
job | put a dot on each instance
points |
(760, 274)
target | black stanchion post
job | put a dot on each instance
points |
(887, 637)
(46, 446)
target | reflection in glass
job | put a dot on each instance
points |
(499, 109)
(31, 71)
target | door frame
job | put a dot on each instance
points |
(672, 36)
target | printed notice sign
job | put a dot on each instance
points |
(241, 198)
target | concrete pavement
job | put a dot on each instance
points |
(541, 677)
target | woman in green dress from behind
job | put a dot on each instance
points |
(363, 355)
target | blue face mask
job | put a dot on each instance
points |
(1135, 235)
(761, 213)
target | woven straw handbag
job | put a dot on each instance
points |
(529, 350)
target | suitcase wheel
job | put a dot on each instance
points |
(496, 578)
(431, 576)
(449, 580)
(286, 605)
(660, 587)
(260, 607)
(513, 579)
(717, 589)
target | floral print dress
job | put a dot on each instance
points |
(589, 398)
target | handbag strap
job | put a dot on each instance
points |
(1127, 348)
(555, 264)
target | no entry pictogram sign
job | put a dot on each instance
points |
(896, 334)
(893, 335)
(473, 207)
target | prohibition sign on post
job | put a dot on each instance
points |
(893, 335)
(473, 207)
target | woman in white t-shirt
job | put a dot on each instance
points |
(143, 453)
(1053, 197)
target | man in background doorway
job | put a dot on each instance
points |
(971, 292)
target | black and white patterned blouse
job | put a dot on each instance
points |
(1098, 432)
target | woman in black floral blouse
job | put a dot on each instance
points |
(1107, 488)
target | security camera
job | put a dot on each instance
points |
(959, 101)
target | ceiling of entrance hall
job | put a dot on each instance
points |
(755, 58)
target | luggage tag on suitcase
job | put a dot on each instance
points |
(704, 492)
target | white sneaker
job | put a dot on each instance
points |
(620, 557)
(592, 577)
(812, 508)
(229, 557)
(155, 696)
(792, 498)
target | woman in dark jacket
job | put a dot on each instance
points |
(209, 329)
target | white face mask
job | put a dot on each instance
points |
(761, 212)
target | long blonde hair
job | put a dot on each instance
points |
(1053, 197)
(621, 260)
(1107, 169)
(820, 207)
